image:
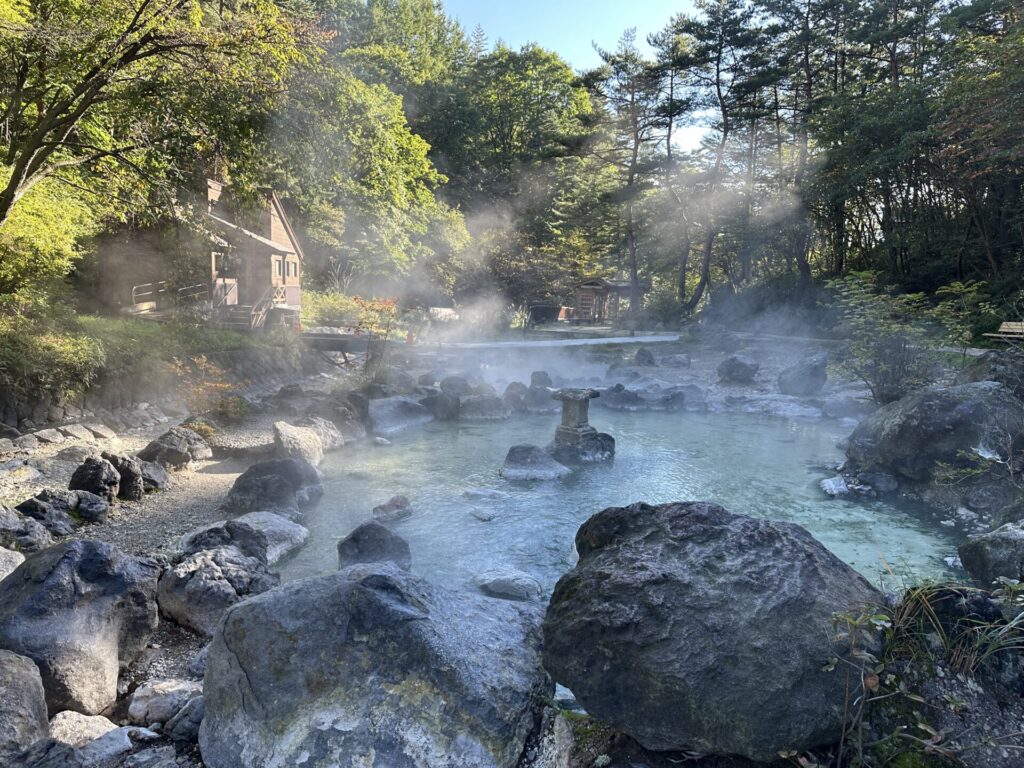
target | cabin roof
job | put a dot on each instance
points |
(266, 242)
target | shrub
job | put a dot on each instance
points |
(337, 310)
(39, 359)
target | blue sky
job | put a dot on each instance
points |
(566, 26)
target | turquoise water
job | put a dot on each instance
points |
(753, 465)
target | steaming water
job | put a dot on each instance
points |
(753, 465)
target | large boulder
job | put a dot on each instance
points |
(738, 369)
(55, 519)
(77, 730)
(70, 506)
(418, 677)
(133, 483)
(373, 543)
(806, 378)
(82, 611)
(177, 448)
(22, 706)
(155, 477)
(1003, 365)
(280, 485)
(21, 533)
(443, 406)
(330, 436)
(531, 462)
(391, 415)
(691, 628)
(996, 554)
(957, 427)
(195, 592)
(264, 535)
(483, 408)
(97, 476)
(298, 442)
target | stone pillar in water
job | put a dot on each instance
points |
(575, 428)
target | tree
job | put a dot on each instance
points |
(628, 89)
(74, 69)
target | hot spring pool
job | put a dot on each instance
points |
(749, 464)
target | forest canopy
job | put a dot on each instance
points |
(422, 161)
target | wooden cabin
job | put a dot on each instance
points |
(257, 267)
(599, 300)
(243, 264)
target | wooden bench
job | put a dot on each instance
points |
(1008, 332)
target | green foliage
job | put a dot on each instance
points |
(890, 348)
(37, 358)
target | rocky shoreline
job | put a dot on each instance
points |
(195, 516)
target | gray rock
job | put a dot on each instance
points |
(738, 369)
(881, 482)
(509, 584)
(806, 378)
(691, 628)
(391, 415)
(50, 436)
(155, 477)
(9, 560)
(50, 753)
(158, 702)
(541, 379)
(937, 426)
(538, 400)
(83, 611)
(264, 535)
(530, 462)
(280, 485)
(835, 486)
(183, 728)
(22, 705)
(54, 519)
(77, 730)
(998, 553)
(113, 745)
(419, 677)
(644, 357)
(456, 385)
(484, 408)
(196, 592)
(26, 443)
(177, 448)
(395, 508)
(373, 543)
(101, 431)
(443, 406)
(97, 476)
(77, 432)
(133, 485)
(331, 438)
(81, 506)
(298, 442)
(22, 533)
(197, 664)
(154, 757)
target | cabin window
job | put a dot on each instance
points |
(293, 269)
(279, 264)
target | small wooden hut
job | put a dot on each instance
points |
(599, 300)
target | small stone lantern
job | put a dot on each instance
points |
(575, 429)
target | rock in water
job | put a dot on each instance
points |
(940, 425)
(177, 448)
(691, 628)
(97, 476)
(22, 706)
(391, 415)
(644, 357)
(395, 508)
(418, 677)
(805, 378)
(373, 543)
(509, 584)
(738, 369)
(83, 611)
(998, 553)
(530, 462)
